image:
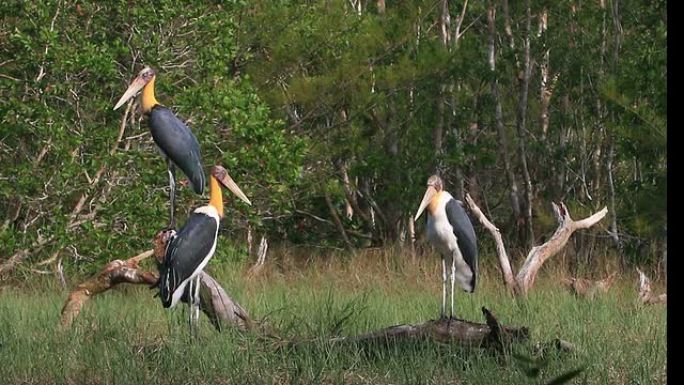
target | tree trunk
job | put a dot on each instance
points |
(337, 221)
(521, 124)
(501, 131)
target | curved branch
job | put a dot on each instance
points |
(539, 254)
(504, 262)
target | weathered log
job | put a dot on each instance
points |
(645, 294)
(114, 273)
(589, 288)
(220, 307)
(453, 330)
(214, 301)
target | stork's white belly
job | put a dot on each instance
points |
(441, 235)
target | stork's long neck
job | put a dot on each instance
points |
(435, 201)
(148, 99)
(216, 197)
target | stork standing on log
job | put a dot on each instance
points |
(173, 137)
(189, 250)
(449, 229)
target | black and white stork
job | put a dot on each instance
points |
(189, 250)
(173, 137)
(449, 229)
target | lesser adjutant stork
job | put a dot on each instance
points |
(189, 250)
(450, 231)
(173, 137)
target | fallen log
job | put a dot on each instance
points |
(588, 288)
(114, 273)
(645, 294)
(447, 330)
(214, 301)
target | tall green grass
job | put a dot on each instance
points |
(125, 337)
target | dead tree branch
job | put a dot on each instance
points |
(524, 281)
(504, 262)
(214, 301)
(114, 273)
(539, 254)
(645, 294)
(261, 259)
(589, 288)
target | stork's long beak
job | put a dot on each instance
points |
(228, 183)
(136, 85)
(429, 194)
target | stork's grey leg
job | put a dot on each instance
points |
(196, 308)
(171, 169)
(442, 313)
(453, 280)
(194, 302)
(191, 298)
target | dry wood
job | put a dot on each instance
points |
(589, 288)
(214, 301)
(645, 294)
(539, 254)
(220, 307)
(261, 259)
(491, 334)
(504, 262)
(114, 273)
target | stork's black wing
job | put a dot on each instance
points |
(465, 234)
(185, 252)
(178, 143)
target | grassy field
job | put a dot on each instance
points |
(126, 337)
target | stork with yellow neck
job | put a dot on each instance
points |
(449, 229)
(189, 250)
(173, 137)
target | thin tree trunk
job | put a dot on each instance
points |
(337, 221)
(501, 131)
(547, 79)
(613, 222)
(521, 125)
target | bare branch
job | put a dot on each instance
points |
(539, 254)
(504, 263)
(645, 294)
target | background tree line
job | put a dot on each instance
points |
(331, 115)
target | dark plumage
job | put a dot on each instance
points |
(186, 255)
(178, 143)
(465, 235)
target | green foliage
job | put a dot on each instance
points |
(291, 96)
(64, 66)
